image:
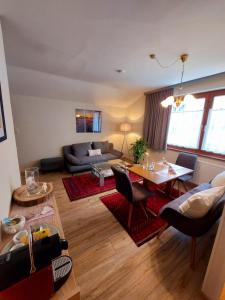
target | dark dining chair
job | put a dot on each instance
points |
(186, 160)
(135, 193)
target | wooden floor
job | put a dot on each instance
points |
(108, 264)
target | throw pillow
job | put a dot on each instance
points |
(199, 204)
(81, 149)
(219, 180)
(104, 146)
(95, 152)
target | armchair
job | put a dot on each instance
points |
(191, 227)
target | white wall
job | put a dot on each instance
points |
(215, 275)
(9, 169)
(43, 126)
(206, 168)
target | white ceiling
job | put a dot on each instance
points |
(88, 39)
(28, 82)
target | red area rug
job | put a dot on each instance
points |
(142, 230)
(85, 185)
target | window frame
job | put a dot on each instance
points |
(209, 97)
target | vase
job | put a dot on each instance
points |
(32, 180)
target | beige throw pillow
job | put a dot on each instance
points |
(199, 204)
(95, 152)
(219, 180)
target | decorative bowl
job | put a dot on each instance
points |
(14, 224)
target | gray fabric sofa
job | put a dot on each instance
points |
(76, 156)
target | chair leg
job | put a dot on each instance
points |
(178, 187)
(151, 212)
(185, 187)
(162, 230)
(193, 252)
(130, 215)
(172, 185)
(144, 210)
(169, 188)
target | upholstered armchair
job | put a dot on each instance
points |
(191, 227)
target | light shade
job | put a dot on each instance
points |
(189, 97)
(168, 101)
(177, 101)
(125, 127)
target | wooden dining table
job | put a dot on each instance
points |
(163, 173)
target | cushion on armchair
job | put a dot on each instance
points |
(81, 149)
(199, 204)
(219, 180)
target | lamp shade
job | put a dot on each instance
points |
(125, 127)
(168, 101)
(189, 97)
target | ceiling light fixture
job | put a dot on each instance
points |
(175, 101)
(120, 71)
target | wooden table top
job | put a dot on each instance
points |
(70, 290)
(161, 172)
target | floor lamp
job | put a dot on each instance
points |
(125, 128)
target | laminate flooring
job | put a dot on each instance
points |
(109, 266)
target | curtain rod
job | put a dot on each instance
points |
(159, 90)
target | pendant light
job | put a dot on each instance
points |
(175, 101)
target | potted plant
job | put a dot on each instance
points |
(138, 149)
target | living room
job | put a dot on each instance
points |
(82, 86)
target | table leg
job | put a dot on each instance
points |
(146, 183)
(101, 180)
(168, 188)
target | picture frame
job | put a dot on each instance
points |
(88, 121)
(3, 134)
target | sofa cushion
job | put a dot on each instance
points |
(219, 180)
(104, 146)
(109, 156)
(198, 205)
(91, 159)
(87, 160)
(81, 149)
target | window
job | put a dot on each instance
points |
(185, 124)
(199, 125)
(88, 120)
(214, 138)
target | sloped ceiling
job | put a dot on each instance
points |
(87, 40)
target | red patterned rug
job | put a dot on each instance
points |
(85, 185)
(142, 230)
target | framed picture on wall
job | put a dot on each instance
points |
(88, 120)
(3, 135)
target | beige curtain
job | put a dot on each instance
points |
(156, 120)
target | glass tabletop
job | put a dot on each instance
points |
(106, 165)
